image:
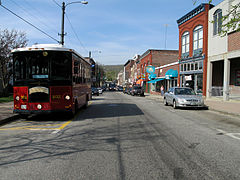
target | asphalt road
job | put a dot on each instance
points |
(122, 137)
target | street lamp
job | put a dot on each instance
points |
(63, 14)
(90, 53)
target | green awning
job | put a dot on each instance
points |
(156, 80)
(171, 73)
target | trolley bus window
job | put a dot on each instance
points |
(61, 66)
(39, 64)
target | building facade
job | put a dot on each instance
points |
(154, 58)
(127, 72)
(193, 48)
(224, 55)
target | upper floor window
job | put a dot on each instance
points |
(197, 40)
(217, 22)
(185, 44)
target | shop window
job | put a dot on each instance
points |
(196, 66)
(185, 44)
(192, 67)
(197, 40)
(200, 65)
(181, 67)
(188, 67)
(217, 22)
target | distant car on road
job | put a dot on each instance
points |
(137, 90)
(100, 90)
(95, 91)
(183, 97)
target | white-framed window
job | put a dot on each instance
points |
(217, 21)
(198, 38)
(185, 43)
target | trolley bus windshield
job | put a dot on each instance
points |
(52, 65)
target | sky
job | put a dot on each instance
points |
(113, 30)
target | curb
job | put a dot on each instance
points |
(224, 112)
(9, 119)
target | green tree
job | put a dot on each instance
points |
(9, 39)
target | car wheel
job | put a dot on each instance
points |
(174, 104)
(165, 102)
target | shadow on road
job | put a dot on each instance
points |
(110, 110)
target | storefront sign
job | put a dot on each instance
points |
(150, 69)
(188, 78)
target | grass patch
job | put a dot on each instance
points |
(6, 99)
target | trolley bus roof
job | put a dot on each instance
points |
(47, 47)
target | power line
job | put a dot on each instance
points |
(76, 34)
(29, 23)
(30, 14)
(57, 3)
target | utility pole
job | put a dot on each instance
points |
(63, 15)
(62, 32)
(165, 46)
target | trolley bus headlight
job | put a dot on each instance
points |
(67, 97)
(17, 98)
(39, 106)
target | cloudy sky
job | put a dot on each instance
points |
(113, 30)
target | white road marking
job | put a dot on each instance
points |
(56, 131)
(232, 135)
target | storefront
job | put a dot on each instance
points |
(191, 74)
(167, 81)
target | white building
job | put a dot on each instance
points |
(223, 55)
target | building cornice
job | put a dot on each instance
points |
(193, 13)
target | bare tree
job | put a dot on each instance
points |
(9, 39)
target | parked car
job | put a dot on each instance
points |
(100, 90)
(120, 88)
(137, 90)
(129, 90)
(183, 97)
(125, 90)
(95, 91)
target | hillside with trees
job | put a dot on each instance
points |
(112, 71)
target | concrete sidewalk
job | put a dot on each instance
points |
(6, 113)
(214, 104)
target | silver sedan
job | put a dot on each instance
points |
(182, 97)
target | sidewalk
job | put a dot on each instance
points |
(6, 113)
(226, 107)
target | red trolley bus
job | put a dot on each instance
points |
(49, 78)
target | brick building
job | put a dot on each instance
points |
(155, 58)
(223, 55)
(193, 48)
(127, 72)
(167, 76)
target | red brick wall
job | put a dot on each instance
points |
(200, 19)
(164, 70)
(158, 58)
(163, 57)
(234, 41)
(128, 69)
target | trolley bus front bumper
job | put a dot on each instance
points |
(17, 111)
